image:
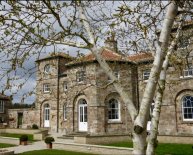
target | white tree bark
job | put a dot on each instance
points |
(139, 137)
(141, 120)
(152, 139)
(106, 68)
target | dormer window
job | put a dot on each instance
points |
(80, 76)
(146, 74)
(47, 69)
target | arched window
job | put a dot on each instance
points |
(82, 101)
(187, 107)
(113, 110)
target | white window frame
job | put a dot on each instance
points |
(46, 88)
(80, 76)
(146, 74)
(187, 119)
(188, 72)
(64, 112)
(65, 86)
(2, 106)
(46, 69)
(118, 110)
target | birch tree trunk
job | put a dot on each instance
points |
(126, 99)
(139, 137)
(141, 120)
(152, 139)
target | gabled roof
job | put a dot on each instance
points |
(4, 97)
(107, 54)
(56, 55)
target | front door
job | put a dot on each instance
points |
(82, 115)
(47, 117)
(20, 120)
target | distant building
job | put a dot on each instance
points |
(5, 104)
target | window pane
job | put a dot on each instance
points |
(113, 109)
(187, 107)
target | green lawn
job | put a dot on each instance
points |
(52, 152)
(3, 145)
(14, 135)
(163, 148)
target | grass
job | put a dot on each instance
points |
(14, 135)
(174, 149)
(163, 148)
(3, 145)
(52, 152)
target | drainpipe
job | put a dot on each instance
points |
(137, 83)
(58, 91)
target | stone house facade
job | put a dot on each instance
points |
(75, 95)
(78, 99)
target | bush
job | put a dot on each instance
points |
(49, 140)
(23, 138)
(34, 126)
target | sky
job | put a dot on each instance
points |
(30, 63)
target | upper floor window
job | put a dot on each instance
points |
(113, 110)
(1, 106)
(65, 112)
(187, 108)
(47, 68)
(46, 87)
(80, 76)
(65, 86)
(146, 74)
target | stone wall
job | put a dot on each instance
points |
(93, 90)
(30, 117)
(177, 86)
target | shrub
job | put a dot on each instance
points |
(34, 126)
(23, 138)
(49, 140)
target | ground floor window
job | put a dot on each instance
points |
(113, 110)
(187, 107)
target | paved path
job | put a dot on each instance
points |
(39, 145)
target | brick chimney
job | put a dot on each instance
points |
(111, 43)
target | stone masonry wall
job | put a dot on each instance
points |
(30, 117)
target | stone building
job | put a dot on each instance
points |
(5, 104)
(75, 95)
